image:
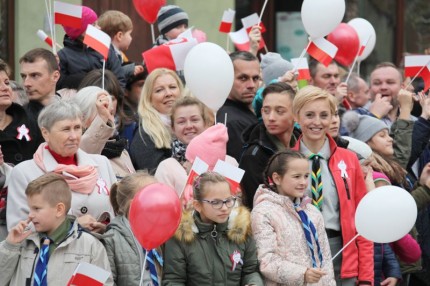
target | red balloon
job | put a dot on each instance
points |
(155, 213)
(148, 9)
(346, 39)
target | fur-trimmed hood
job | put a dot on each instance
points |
(237, 227)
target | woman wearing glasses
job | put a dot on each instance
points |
(213, 244)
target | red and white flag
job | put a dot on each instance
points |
(44, 37)
(241, 40)
(67, 14)
(322, 50)
(302, 68)
(252, 20)
(98, 40)
(233, 174)
(170, 55)
(227, 21)
(415, 64)
(363, 45)
(87, 274)
(198, 168)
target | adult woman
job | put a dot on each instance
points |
(113, 149)
(16, 134)
(89, 176)
(337, 182)
(152, 140)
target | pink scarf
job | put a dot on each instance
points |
(86, 176)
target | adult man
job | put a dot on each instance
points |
(40, 73)
(237, 109)
(327, 78)
(358, 92)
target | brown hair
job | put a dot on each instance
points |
(4, 67)
(43, 54)
(111, 22)
(200, 183)
(123, 192)
(188, 100)
(53, 188)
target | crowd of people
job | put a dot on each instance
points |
(82, 142)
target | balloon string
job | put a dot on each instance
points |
(143, 268)
(153, 33)
(228, 42)
(417, 74)
(345, 246)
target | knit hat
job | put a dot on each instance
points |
(210, 145)
(362, 127)
(169, 17)
(274, 66)
(88, 17)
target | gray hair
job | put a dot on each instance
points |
(86, 99)
(353, 83)
(58, 111)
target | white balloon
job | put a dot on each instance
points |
(365, 31)
(209, 74)
(320, 18)
(385, 214)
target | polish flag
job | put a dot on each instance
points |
(68, 15)
(87, 274)
(170, 55)
(97, 40)
(363, 45)
(227, 21)
(302, 68)
(322, 50)
(241, 40)
(44, 37)
(198, 168)
(233, 174)
(251, 21)
(415, 64)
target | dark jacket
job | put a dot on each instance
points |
(15, 148)
(385, 263)
(201, 253)
(144, 154)
(239, 117)
(76, 60)
(257, 150)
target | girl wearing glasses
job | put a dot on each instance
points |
(292, 245)
(213, 244)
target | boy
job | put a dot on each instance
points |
(23, 258)
(171, 21)
(119, 27)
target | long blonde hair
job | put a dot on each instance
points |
(149, 116)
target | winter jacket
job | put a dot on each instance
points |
(202, 253)
(401, 132)
(18, 261)
(357, 258)
(125, 254)
(386, 264)
(239, 117)
(282, 247)
(76, 60)
(256, 153)
(144, 154)
(18, 148)
(93, 204)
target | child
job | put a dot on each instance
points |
(126, 256)
(76, 59)
(171, 21)
(65, 244)
(213, 245)
(285, 224)
(119, 27)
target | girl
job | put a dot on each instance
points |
(125, 254)
(338, 185)
(152, 140)
(213, 244)
(284, 223)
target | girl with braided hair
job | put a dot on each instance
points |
(292, 244)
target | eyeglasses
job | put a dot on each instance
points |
(218, 204)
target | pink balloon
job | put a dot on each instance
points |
(148, 9)
(199, 35)
(155, 213)
(346, 39)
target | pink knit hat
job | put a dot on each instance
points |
(88, 18)
(210, 145)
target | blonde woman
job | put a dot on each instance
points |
(152, 140)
